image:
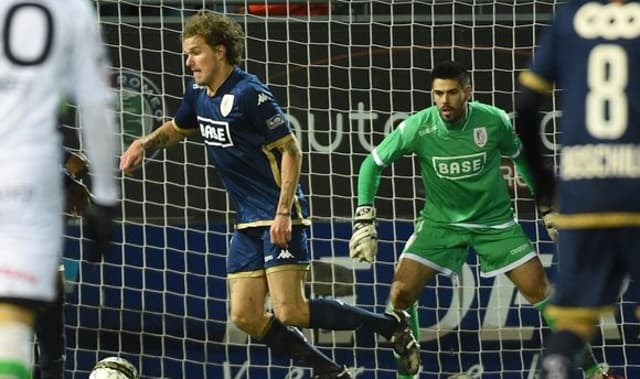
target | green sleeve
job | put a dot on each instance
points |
(524, 170)
(368, 181)
(511, 146)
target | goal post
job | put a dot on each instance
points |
(346, 73)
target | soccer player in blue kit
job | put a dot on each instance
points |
(591, 53)
(259, 161)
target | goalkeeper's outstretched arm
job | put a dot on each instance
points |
(368, 181)
(363, 245)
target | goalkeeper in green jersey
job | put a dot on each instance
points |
(459, 145)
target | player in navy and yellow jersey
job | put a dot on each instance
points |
(245, 132)
(591, 52)
(259, 160)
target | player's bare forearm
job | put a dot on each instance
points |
(165, 136)
(291, 166)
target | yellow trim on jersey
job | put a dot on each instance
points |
(534, 82)
(255, 224)
(184, 132)
(596, 220)
(291, 267)
(247, 274)
(261, 272)
(572, 313)
(267, 150)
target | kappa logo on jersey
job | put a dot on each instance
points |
(262, 98)
(226, 104)
(285, 254)
(141, 105)
(480, 136)
(215, 133)
(459, 167)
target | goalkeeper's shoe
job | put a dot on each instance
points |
(405, 346)
(339, 373)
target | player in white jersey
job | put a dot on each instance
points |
(48, 49)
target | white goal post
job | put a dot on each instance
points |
(346, 73)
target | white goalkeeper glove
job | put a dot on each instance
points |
(363, 245)
(548, 216)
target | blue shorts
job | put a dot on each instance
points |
(592, 265)
(251, 253)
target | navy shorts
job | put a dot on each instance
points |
(592, 265)
(251, 252)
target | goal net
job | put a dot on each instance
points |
(346, 73)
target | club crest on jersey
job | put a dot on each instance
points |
(226, 104)
(480, 136)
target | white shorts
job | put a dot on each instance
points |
(31, 226)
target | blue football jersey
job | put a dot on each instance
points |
(592, 53)
(243, 128)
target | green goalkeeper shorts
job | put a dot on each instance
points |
(445, 247)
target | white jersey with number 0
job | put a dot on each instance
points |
(50, 50)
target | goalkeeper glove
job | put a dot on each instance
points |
(78, 197)
(548, 216)
(363, 245)
(99, 224)
(76, 165)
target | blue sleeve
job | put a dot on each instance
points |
(544, 60)
(186, 116)
(265, 114)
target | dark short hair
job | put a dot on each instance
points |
(217, 29)
(450, 70)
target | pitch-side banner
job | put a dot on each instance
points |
(168, 302)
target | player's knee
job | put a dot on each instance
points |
(292, 315)
(535, 291)
(402, 295)
(247, 322)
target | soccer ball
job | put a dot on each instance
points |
(114, 368)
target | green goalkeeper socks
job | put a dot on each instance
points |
(551, 323)
(14, 370)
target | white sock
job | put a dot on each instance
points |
(16, 350)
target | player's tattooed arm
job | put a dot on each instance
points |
(291, 166)
(166, 135)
